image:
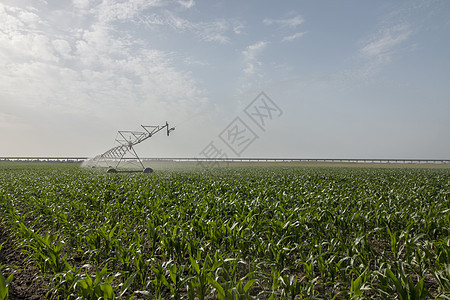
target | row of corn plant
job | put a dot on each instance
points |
(235, 233)
(4, 282)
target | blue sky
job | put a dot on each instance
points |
(351, 79)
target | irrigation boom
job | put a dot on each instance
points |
(127, 139)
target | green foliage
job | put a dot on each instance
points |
(4, 283)
(237, 233)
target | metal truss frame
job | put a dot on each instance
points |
(127, 139)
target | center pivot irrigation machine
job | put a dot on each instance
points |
(127, 139)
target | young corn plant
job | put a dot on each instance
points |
(443, 278)
(199, 281)
(89, 287)
(49, 254)
(159, 280)
(242, 289)
(290, 286)
(275, 284)
(4, 284)
(404, 286)
(226, 281)
(62, 283)
(395, 249)
(142, 270)
(360, 285)
(233, 288)
(176, 278)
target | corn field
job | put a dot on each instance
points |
(230, 233)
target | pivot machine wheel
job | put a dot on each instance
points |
(148, 170)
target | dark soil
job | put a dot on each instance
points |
(25, 284)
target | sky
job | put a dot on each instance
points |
(279, 79)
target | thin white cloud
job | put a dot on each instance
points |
(237, 27)
(292, 37)
(385, 41)
(120, 11)
(212, 31)
(288, 22)
(378, 50)
(287, 25)
(251, 54)
(81, 4)
(252, 51)
(187, 4)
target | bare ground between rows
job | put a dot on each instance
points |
(25, 284)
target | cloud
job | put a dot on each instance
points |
(21, 38)
(251, 54)
(237, 27)
(288, 22)
(378, 50)
(109, 11)
(187, 4)
(383, 44)
(81, 4)
(252, 51)
(213, 31)
(62, 48)
(90, 68)
(292, 37)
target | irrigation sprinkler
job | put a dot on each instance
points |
(126, 140)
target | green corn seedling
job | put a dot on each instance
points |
(4, 283)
